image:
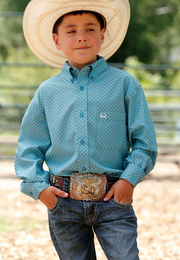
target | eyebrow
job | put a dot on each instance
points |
(73, 25)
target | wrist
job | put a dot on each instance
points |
(127, 182)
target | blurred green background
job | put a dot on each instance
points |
(150, 52)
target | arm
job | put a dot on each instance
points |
(141, 135)
(142, 139)
(33, 142)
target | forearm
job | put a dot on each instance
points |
(33, 142)
(138, 164)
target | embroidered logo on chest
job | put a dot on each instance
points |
(103, 115)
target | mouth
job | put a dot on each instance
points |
(82, 48)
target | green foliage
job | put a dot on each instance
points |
(171, 79)
(167, 79)
(153, 31)
(13, 6)
(146, 78)
(154, 80)
(175, 80)
(25, 75)
(11, 27)
(11, 36)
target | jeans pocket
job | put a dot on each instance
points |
(56, 206)
(120, 205)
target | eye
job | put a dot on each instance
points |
(71, 31)
(90, 30)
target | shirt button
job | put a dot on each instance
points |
(81, 88)
(81, 114)
(83, 168)
(82, 142)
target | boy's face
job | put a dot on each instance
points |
(80, 38)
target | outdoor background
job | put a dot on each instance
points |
(151, 53)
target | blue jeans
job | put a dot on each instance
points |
(72, 225)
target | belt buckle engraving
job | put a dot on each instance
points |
(89, 187)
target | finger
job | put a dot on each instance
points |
(51, 205)
(109, 195)
(60, 193)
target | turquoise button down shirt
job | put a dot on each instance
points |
(93, 121)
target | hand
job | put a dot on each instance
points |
(49, 196)
(122, 190)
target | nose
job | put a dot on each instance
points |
(82, 38)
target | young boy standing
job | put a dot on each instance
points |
(90, 124)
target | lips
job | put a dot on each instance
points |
(83, 48)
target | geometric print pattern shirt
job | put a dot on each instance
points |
(92, 121)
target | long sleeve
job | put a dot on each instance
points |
(33, 143)
(141, 134)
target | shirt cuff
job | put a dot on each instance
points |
(133, 174)
(33, 189)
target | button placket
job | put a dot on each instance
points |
(81, 109)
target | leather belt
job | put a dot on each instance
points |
(65, 184)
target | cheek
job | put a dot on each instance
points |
(66, 45)
(97, 43)
(96, 40)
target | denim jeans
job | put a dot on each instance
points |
(72, 225)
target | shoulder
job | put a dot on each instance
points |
(45, 89)
(122, 75)
(50, 85)
(50, 82)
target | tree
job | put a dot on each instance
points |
(13, 6)
(11, 32)
(153, 31)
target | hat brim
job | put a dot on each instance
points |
(40, 16)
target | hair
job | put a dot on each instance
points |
(100, 19)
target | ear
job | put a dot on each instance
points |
(56, 40)
(102, 35)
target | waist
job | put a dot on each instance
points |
(92, 182)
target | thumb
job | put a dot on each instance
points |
(109, 195)
(60, 193)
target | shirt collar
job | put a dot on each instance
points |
(93, 70)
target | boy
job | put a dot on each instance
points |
(83, 123)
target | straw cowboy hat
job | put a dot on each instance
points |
(41, 15)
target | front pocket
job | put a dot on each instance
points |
(125, 206)
(56, 206)
(111, 130)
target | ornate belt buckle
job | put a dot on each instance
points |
(89, 187)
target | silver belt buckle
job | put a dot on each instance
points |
(88, 187)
